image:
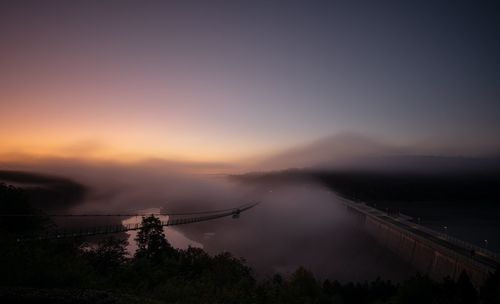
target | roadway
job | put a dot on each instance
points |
(468, 251)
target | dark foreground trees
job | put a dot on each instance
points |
(71, 271)
(151, 241)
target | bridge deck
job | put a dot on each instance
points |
(94, 231)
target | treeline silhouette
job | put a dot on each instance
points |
(384, 187)
(456, 188)
(75, 271)
(50, 192)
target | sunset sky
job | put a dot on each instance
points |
(222, 81)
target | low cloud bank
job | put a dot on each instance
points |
(353, 151)
(298, 224)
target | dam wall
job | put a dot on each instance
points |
(428, 255)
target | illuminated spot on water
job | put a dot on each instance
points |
(174, 237)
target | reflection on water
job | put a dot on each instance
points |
(174, 237)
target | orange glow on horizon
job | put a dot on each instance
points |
(127, 123)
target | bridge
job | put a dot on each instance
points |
(187, 218)
(434, 253)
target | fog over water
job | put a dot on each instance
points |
(294, 225)
(298, 223)
(302, 225)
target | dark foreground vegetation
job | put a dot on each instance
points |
(74, 271)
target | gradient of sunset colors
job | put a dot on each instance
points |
(226, 81)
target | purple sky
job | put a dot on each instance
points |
(224, 81)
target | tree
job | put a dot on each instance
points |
(14, 200)
(465, 290)
(490, 292)
(151, 241)
(304, 286)
(108, 255)
(418, 289)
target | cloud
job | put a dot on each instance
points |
(328, 151)
(87, 148)
(357, 151)
(47, 192)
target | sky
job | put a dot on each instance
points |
(224, 81)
